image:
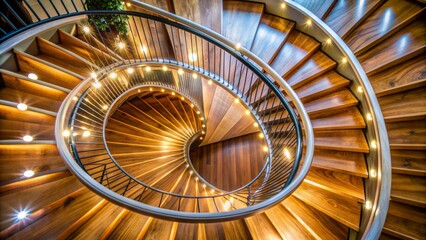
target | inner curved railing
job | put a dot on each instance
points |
(197, 52)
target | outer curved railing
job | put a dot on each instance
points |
(218, 60)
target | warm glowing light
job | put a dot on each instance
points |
(198, 112)
(373, 144)
(150, 89)
(105, 107)
(75, 98)
(93, 75)
(113, 75)
(369, 117)
(180, 71)
(261, 135)
(87, 100)
(97, 84)
(203, 126)
(121, 45)
(165, 68)
(139, 90)
(182, 98)
(144, 49)
(173, 93)
(328, 41)
(309, 22)
(32, 76)
(287, 153)
(359, 89)
(247, 112)
(201, 118)
(86, 29)
(256, 124)
(283, 5)
(86, 133)
(236, 100)
(22, 215)
(344, 60)
(28, 173)
(148, 69)
(204, 185)
(368, 205)
(194, 76)
(191, 172)
(128, 4)
(192, 105)
(201, 138)
(196, 179)
(202, 132)
(27, 138)
(22, 106)
(210, 82)
(373, 173)
(238, 46)
(192, 57)
(265, 149)
(212, 191)
(66, 133)
(130, 70)
(162, 90)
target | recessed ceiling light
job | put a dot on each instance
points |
(22, 106)
(28, 173)
(27, 138)
(32, 76)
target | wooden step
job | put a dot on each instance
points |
(237, 15)
(46, 71)
(14, 114)
(84, 50)
(340, 183)
(320, 8)
(236, 229)
(296, 50)
(286, 224)
(347, 15)
(408, 162)
(407, 133)
(128, 226)
(405, 221)
(342, 140)
(318, 224)
(340, 161)
(409, 41)
(16, 130)
(157, 229)
(387, 19)
(405, 76)
(408, 105)
(321, 86)
(331, 103)
(32, 100)
(342, 209)
(261, 227)
(312, 68)
(409, 189)
(270, 37)
(205, 12)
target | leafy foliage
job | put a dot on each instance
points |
(104, 22)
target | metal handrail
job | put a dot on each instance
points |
(242, 55)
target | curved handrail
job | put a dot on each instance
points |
(242, 55)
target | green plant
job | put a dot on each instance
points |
(104, 22)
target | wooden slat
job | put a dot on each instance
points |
(130, 226)
(404, 221)
(315, 66)
(295, 51)
(260, 227)
(319, 8)
(318, 224)
(287, 225)
(405, 76)
(13, 113)
(407, 133)
(400, 106)
(346, 140)
(340, 183)
(409, 189)
(347, 15)
(270, 36)
(389, 18)
(33, 100)
(340, 161)
(16, 130)
(331, 102)
(408, 162)
(205, 12)
(341, 209)
(403, 45)
(236, 16)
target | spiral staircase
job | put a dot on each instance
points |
(207, 142)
